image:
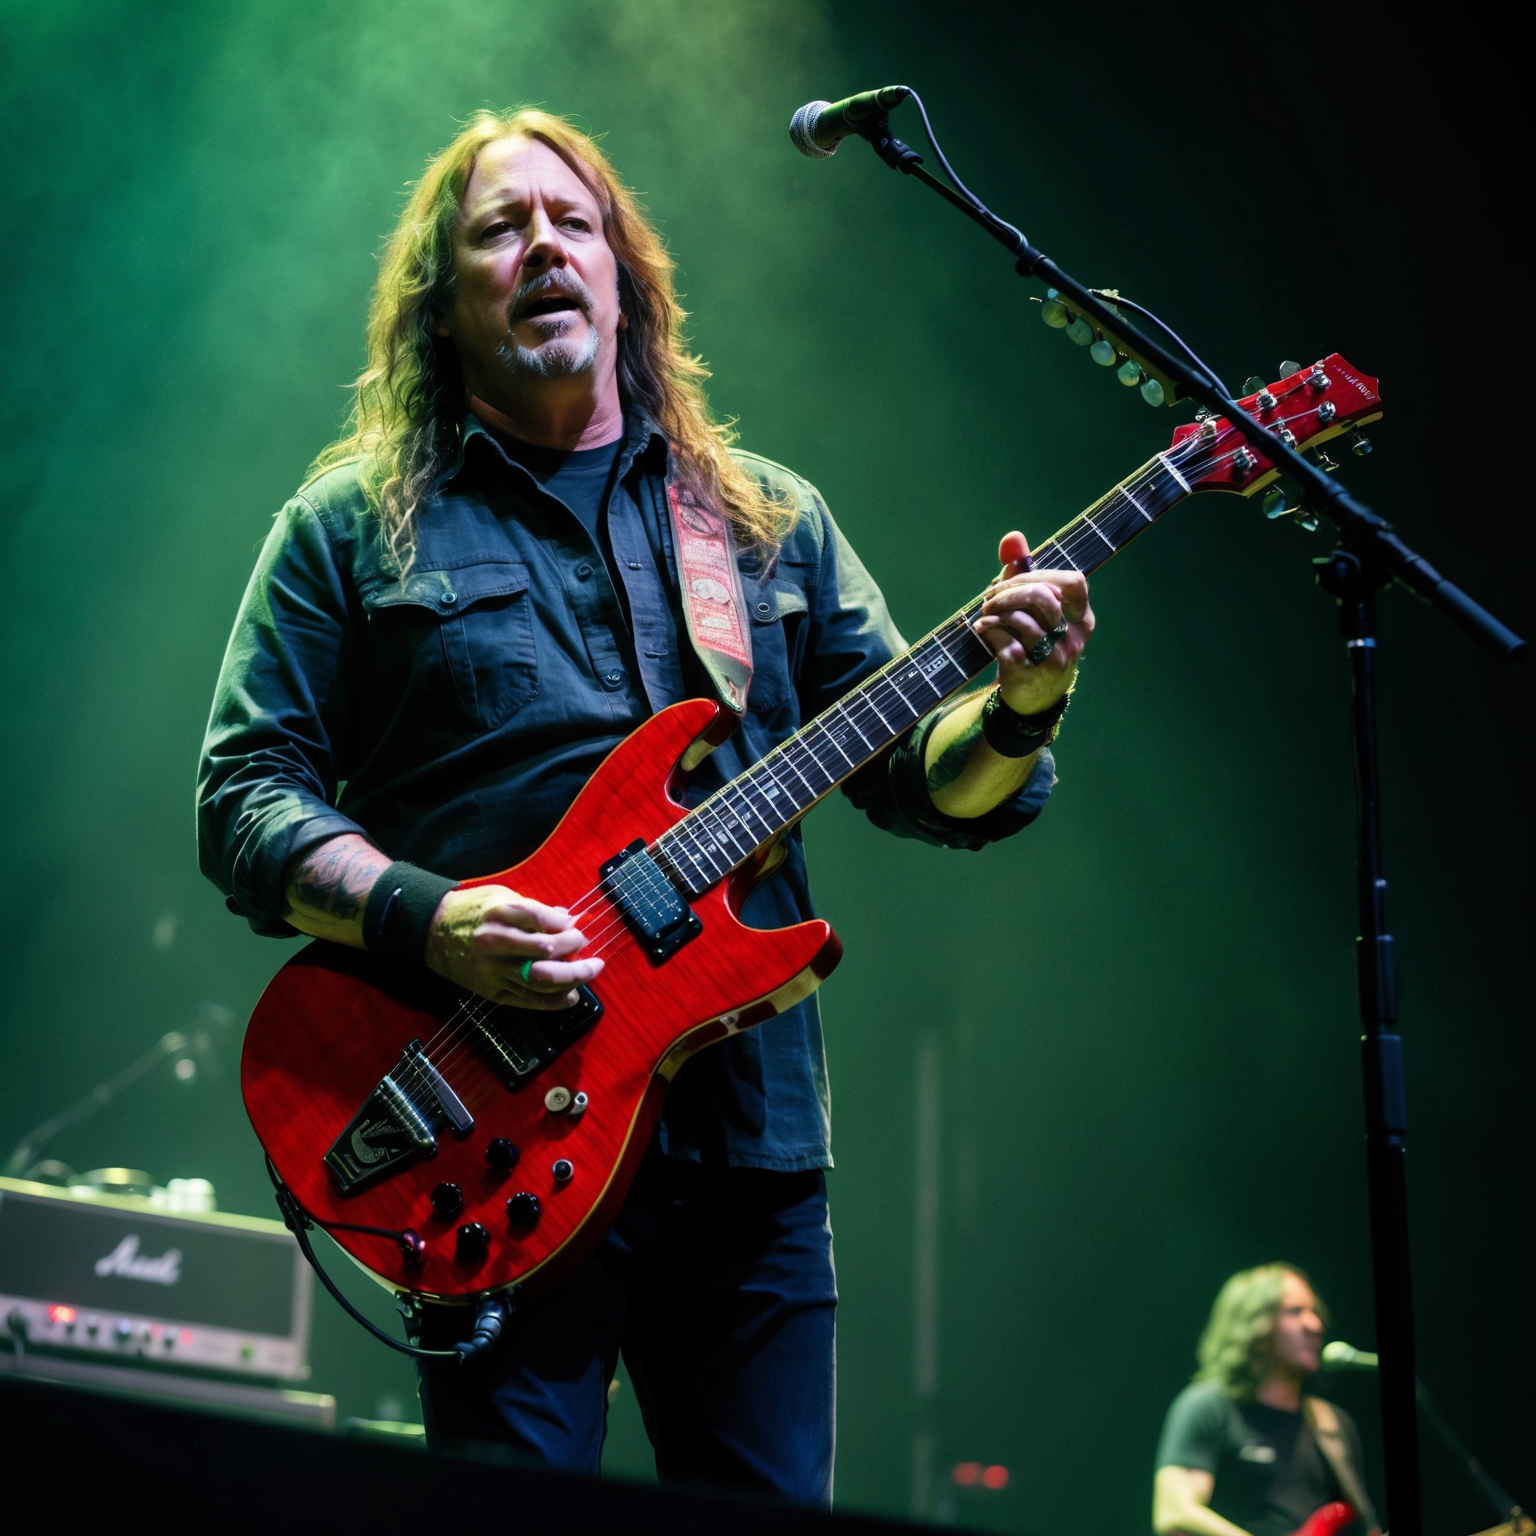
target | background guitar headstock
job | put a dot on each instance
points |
(1306, 408)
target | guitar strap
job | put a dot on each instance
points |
(713, 603)
(1323, 1420)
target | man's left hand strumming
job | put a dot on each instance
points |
(1036, 622)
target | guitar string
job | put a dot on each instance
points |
(1080, 534)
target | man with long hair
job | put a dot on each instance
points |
(473, 599)
(1244, 1452)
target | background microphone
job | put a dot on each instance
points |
(1339, 1356)
(820, 126)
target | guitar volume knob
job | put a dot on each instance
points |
(502, 1154)
(473, 1240)
(447, 1201)
(523, 1209)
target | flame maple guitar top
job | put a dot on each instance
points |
(333, 1022)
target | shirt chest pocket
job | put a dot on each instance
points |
(778, 612)
(478, 618)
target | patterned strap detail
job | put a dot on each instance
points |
(713, 603)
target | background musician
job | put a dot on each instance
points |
(1243, 1451)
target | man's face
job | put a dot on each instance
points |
(1298, 1337)
(536, 295)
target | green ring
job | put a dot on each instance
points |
(524, 969)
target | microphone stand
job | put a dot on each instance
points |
(1369, 557)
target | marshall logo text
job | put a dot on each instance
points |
(125, 1260)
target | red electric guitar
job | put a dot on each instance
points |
(455, 1147)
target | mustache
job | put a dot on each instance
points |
(557, 281)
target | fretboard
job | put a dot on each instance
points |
(742, 816)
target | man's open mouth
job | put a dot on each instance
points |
(551, 304)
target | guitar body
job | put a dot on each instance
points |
(333, 1022)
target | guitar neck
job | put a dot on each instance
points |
(741, 817)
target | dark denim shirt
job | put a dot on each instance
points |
(451, 718)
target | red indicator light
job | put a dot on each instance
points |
(186, 1335)
(57, 1314)
(971, 1474)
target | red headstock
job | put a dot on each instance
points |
(1306, 408)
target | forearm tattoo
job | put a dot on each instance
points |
(953, 760)
(333, 881)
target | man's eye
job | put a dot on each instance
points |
(491, 230)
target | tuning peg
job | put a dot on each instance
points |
(1152, 392)
(1102, 352)
(1275, 504)
(1324, 463)
(1306, 520)
(1287, 368)
(1253, 384)
(1360, 445)
(1054, 312)
(1080, 331)
(1129, 373)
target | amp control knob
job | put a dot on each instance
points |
(473, 1240)
(523, 1209)
(502, 1154)
(447, 1201)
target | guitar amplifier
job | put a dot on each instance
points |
(110, 1278)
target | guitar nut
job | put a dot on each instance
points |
(557, 1100)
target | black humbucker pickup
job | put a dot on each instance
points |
(648, 902)
(519, 1042)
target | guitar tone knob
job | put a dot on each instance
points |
(472, 1242)
(447, 1201)
(502, 1154)
(523, 1209)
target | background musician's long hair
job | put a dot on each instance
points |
(1234, 1350)
(409, 399)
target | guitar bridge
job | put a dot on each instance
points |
(521, 1042)
(648, 902)
(398, 1123)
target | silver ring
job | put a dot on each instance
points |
(1047, 643)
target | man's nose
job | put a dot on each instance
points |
(544, 248)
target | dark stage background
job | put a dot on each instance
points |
(1135, 1022)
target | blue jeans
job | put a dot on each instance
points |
(717, 1287)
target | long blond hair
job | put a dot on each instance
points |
(409, 400)
(1234, 1351)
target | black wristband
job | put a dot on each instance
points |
(1013, 735)
(398, 914)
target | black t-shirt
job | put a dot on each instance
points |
(1270, 1474)
(580, 478)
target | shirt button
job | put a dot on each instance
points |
(449, 598)
(613, 679)
(764, 609)
(584, 571)
(634, 565)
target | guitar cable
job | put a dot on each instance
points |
(491, 1318)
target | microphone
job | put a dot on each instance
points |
(1339, 1356)
(820, 126)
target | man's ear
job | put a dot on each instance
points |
(439, 323)
(623, 321)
